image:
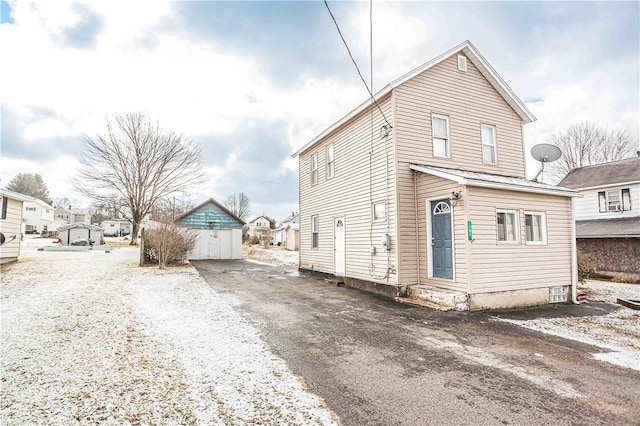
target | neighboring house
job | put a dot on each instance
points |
(218, 231)
(608, 216)
(258, 225)
(116, 228)
(432, 200)
(11, 207)
(289, 227)
(76, 231)
(72, 215)
(37, 216)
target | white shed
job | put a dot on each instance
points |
(78, 230)
(218, 230)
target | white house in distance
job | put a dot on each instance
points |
(260, 223)
(116, 227)
(288, 233)
(608, 216)
(64, 215)
(38, 216)
(423, 194)
(11, 207)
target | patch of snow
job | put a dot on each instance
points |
(272, 255)
(623, 359)
(609, 291)
(90, 338)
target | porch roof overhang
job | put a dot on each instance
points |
(624, 227)
(486, 180)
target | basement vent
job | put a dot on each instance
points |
(462, 63)
(558, 294)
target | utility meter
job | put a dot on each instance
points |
(386, 242)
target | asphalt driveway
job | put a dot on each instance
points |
(377, 362)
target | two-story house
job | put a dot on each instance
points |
(259, 225)
(608, 216)
(37, 216)
(423, 193)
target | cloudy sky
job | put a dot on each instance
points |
(254, 81)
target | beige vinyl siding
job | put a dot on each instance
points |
(350, 193)
(469, 100)
(431, 188)
(9, 227)
(501, 267)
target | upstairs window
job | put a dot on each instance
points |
(440, 130)
(614, 200)
(3, 214)
(507, 224)
(331, 165)
(314, 231)
(31, 209)
(314, 169)
(488, 134)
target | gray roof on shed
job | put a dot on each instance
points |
(622, 171)
(79, 225)
(608, 228)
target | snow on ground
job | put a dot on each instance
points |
(88, 337)
(617, 333)
(272, 255)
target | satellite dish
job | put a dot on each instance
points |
(545, 153)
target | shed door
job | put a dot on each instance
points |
(441, 239)
(338, 246)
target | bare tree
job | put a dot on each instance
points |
(239, 204)
(30, 184)
(135, 164)
(585, 144)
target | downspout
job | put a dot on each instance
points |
(574, 256)
(415, 205)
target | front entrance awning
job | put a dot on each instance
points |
(486, 180)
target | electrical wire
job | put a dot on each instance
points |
(356, 65)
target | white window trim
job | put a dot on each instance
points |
(429, 236)
(543, 215)
(317, 231)
(448, 144)
(326, 155)
(620, 202)
(495, 145)
(516, 216)
(462, 60)
(314, 161)
(373, 210)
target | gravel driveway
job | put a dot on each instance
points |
(91, 338)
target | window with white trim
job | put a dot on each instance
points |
(331, 165)
(614, 200)
(30, 209)
(314, 169)
(488, 135)
(379, 211)
(507, 226)
(314, 231)
(3, 212)
(535, 224)
(440, 131)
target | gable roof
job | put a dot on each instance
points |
(258, 217)
(486, 180)
(616, 172)
(79, 225)
(476, 59)
(211, 200)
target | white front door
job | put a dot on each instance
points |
(338, 246)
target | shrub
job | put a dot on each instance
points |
(620, 279)
(169, 244)
(585, 267)
(254, 240)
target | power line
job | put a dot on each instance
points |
(356, 65)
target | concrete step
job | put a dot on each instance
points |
(421, 303)
(445, 299)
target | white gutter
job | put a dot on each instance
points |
(574, 257)
(512, 187)
(609, 185)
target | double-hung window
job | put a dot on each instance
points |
(314, 231)
(314, 169)
(535, 227)
(507, 226)
(331, 164)
(488, 134)
(441, 139)
(3, 212)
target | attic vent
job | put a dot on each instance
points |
(462, 63)
(558, 294)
